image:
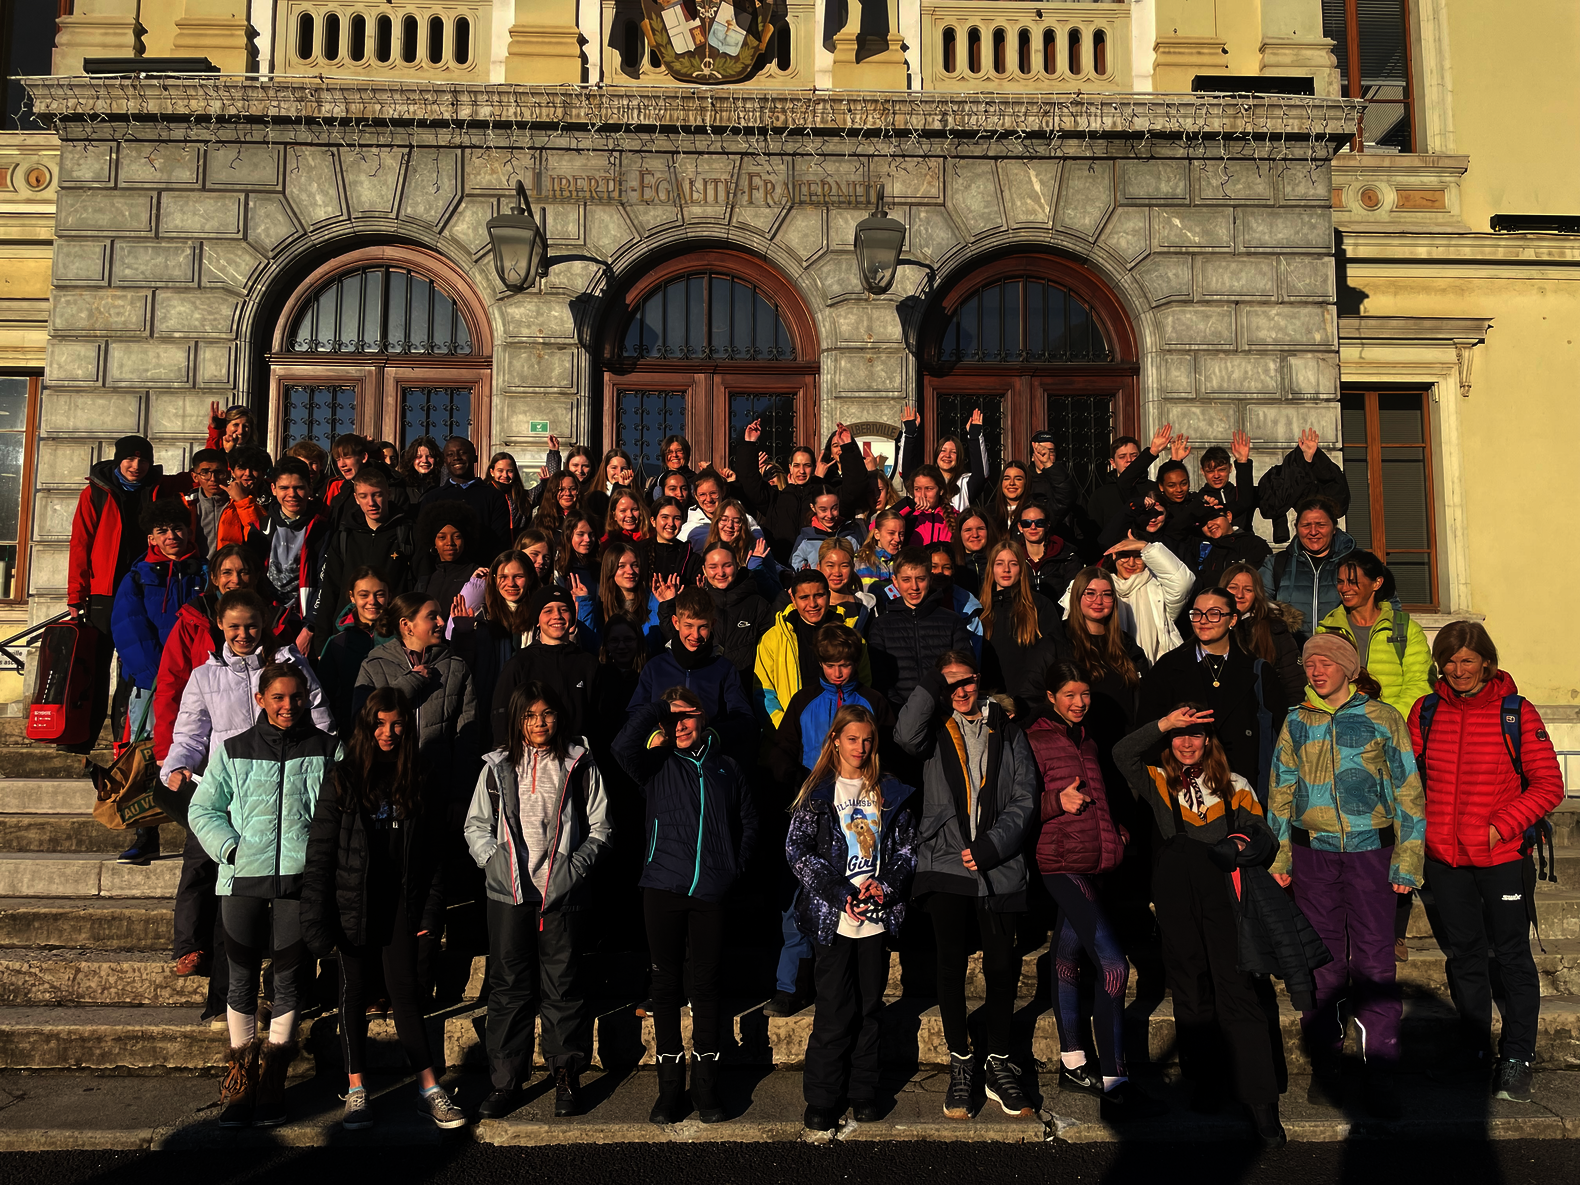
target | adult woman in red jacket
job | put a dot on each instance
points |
(1477, 810)
(1078, 839)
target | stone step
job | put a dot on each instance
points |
(1557, 912)
(37, 760)
(135, 924)
(45, 796)
(85, 874)
(96, 977)
(136, 1039)
(75, 833)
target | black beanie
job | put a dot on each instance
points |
(133, 446)
(547, 595)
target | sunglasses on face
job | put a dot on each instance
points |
(1028, 523)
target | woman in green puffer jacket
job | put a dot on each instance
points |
(251, 813)
(1392, 646)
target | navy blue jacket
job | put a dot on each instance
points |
(701, 822)
(816, 851)
(716, 683)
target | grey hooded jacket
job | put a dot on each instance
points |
(493, 831)
(446, 708)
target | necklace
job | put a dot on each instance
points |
(1215, 665)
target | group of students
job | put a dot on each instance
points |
(398, 687)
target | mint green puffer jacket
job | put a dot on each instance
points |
(253, 808)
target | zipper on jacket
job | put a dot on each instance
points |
(279, 825)
(702, 815)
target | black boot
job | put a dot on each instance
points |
(671, 1085)
(704, 1087)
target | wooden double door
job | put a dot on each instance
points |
(397, 402)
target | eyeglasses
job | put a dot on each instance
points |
(1094, 595)
(1032, 522)
(541, 717)
(1210, 616)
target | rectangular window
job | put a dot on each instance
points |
(1388, 462)
(643, 420)
(18, 404)
(1371, 40)
(954, 415)
(777, 415)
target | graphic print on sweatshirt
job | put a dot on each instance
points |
(860, 823)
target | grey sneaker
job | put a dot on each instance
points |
(957, 1099)
(1513, 1081)
(356, 1115)
(443, 1109)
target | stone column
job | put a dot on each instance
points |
(97, 29)
(1293, 44)
(216, 30)
(867, 53)
(545, 43)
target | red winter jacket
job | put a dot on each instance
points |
(98, 560)
(1470, 779)
(1083, 843)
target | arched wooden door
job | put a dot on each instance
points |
(1039, 343)
(387, 342)
(702, 345)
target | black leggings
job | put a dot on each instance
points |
(672, 918)
(957, 919)
(1084, 926)
(254, 926)
(358, 966)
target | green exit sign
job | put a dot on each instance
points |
(538, 427)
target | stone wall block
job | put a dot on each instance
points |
(1148, 181)
(104, 212)
(433, 186)
(80, 262)
(1306, 277)
(1302, 185)
(1286, 229)
(878, 371)
(216, 364)
(1238, 375)
(103, 417)
(1178, 373)
(1313, 376)
(67, 361)
(1288, 325)
(203, 312)
(609, 231)
(1236, 277)
(536, 366)
(1197, 327)
(1030, 190)
(971, 192)
(106, 311)
(160, 164)
(836, 274)
(1284, 422)
(1086, 195)
(1185, 228)
(1127, 234)
(179, 415)
(933, 234)
(47, 569)
(53, 511)
(1165, 277)
(513, 416)
(87, 164)
(149, 364)
(372, 184)
(312, 185)
(468, 224)
(802, 233)
(243, 166)
(270, 222)
(864, 322)
(202, 215)
(1236, 182)
(763, 220)
(649, 217)
(1204, 421)
(64, 463)
(155, 263)
(542, 317)
(230, 264)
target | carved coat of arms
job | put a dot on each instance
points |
(708, 41)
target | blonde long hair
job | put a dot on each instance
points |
(1023, 618)
(827, 763)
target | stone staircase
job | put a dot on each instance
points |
(86, 980)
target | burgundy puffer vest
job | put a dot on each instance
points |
(1084, 843)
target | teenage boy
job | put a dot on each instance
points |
(208, 499)
(692, 661)
(288, 533)
(146, 604)
(787, 655)
(553, 659)
(915, 627)
(1238, 497)
(374, 535)
(461, 484)
(105, 543)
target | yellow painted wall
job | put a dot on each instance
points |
(1517, 106)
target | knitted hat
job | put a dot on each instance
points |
(549, 594)
(1337, 649)
(133, 446)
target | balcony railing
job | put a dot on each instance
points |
(379, 39)
(1058, 47)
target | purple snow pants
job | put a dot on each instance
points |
(1347, 897)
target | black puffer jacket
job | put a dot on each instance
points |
(1009, 666)
(1052, 574)
(905, 643)
(1276, 938)
(335, 881)
(744, 617)
(1209, 557)
(570, 671)
(780, 513)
